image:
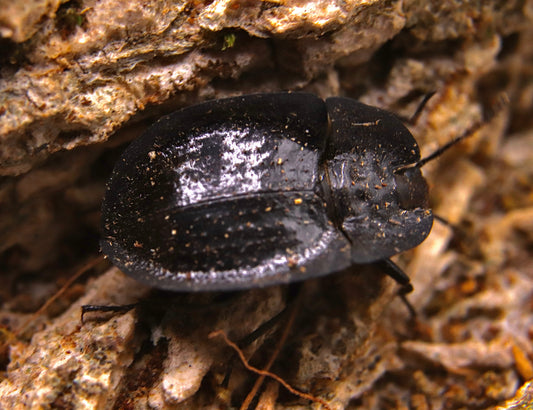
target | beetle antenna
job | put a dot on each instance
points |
(414, 118)
(502, 101)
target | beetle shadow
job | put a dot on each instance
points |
(336, 316)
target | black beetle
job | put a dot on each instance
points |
(264, 189)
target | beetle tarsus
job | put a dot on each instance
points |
(99, 308)
(395, 272)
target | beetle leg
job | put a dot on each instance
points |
(99, 308)
(457, 230)
(391, 269)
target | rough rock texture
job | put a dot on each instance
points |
(79, 79)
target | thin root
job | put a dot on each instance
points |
(266, 373)
(85, 268)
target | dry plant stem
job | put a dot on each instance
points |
(85, 268)
(281, 342)
(265, 373)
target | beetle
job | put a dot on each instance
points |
(265, 189)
